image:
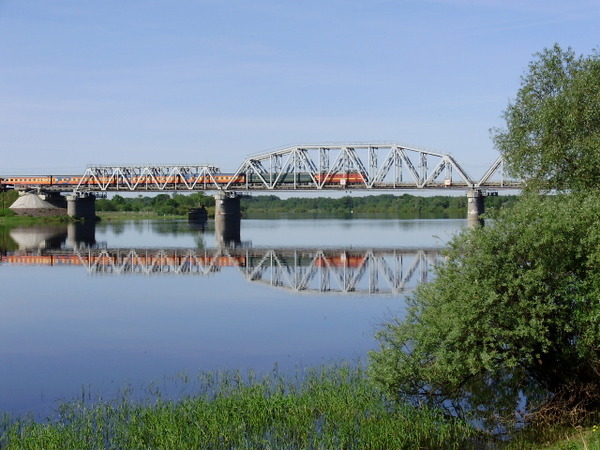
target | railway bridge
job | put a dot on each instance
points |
(359, 166)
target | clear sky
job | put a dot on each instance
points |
(213, 81)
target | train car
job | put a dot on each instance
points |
(305, 178)
(113, 181)
(341, 261)
(287, 179)
(29, 181)
(342, 179)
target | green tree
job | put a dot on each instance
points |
(552, 134)
(514, 307)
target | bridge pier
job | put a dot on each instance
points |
(228, 217)
(475, 207)
(81, 206)
(81, 234)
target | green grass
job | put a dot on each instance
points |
(559, 438)
(326, 408)
(12, 219)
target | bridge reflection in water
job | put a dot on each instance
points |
(368, 270)
(334, 270)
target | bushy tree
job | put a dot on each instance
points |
(552, 133)
(514, 307)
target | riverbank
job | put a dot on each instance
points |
(326, 408)
(329, 407)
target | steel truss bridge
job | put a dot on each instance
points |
(311, 167)
(346, 271)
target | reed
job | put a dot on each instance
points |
(329, 407)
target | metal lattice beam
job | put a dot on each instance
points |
(157, 178)
(355, 166)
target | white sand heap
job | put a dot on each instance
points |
(32, 205)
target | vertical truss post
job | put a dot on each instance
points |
(372, 162)
(373, 275)
(323, 160)
(295, 162)
(325, 279)
(397, 167)
(423, 167)
(449, 172)
(399, 270)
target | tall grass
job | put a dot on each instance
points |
(332, 407)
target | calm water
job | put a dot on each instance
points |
(135, 302)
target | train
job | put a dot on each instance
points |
(134, 261)
(288, 179)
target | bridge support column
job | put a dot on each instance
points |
(475, 207)
(227, 218)
(82, 207)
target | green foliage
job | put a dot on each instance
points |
(514, 309)
(552, 135)
(7, 213)
(328, 408)
(163, 204)
(7, 198)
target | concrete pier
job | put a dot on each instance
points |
(227, 219)
(475, 207)
(81, 234)
(82, 206)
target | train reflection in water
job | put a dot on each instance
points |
(330, 270)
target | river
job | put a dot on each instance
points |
(99, 307)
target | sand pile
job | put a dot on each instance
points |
(32, 205)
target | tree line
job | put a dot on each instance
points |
(389, 204)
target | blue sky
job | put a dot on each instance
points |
(208, 81)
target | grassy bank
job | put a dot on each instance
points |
(328, 408)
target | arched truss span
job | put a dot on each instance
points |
(355, 165)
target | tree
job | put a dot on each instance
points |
(514, 307)
(552, 134)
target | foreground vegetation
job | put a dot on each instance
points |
(327, 408)
(508, 333)
(512, 314)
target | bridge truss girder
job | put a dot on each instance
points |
(379, 167)
(497, 168)
(151, 178)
